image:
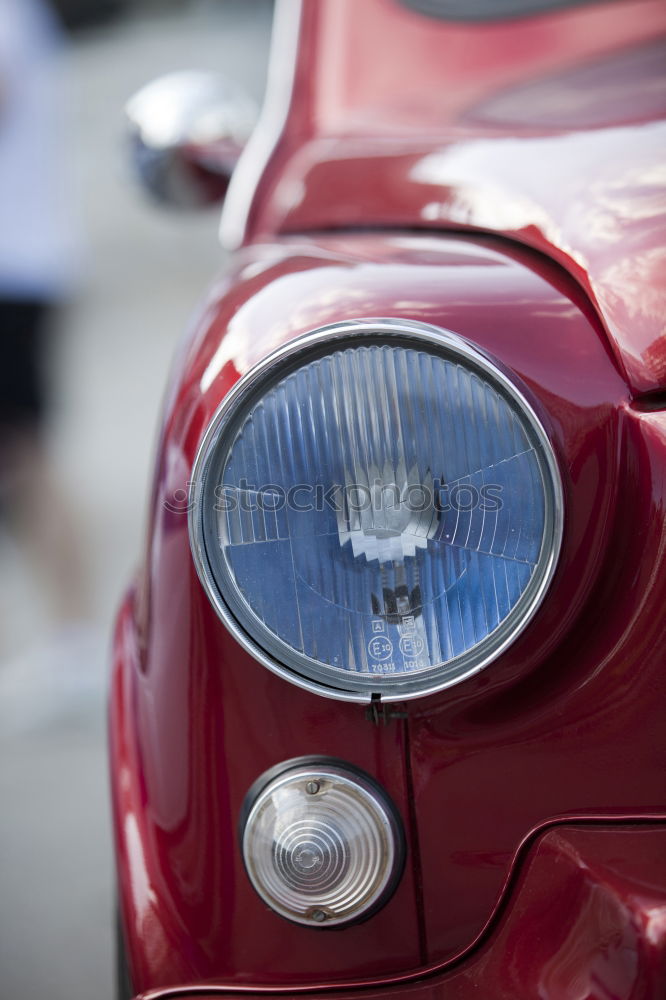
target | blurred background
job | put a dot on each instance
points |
(104, 284)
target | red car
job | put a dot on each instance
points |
(388, 701)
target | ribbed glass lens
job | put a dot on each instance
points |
(321, 846)
(375, 517)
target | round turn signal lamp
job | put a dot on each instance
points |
(322, 843)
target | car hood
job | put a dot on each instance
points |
(547, 130)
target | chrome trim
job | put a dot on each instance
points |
(523, 611)
(176, 116)
(272, 120)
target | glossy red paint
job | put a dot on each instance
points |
(563, 725)
(587, 917)
(548, 129)
(526, 791)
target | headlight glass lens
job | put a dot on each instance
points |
(322, 845)
(378, 514)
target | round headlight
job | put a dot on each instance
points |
(376, 510)
(322, 843)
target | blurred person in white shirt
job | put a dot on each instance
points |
(37, 273)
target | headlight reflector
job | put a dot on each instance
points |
(322, 844)
(380, 510)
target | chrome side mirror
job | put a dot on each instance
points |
(187, 131)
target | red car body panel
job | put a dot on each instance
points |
(549, 130)
(496, 778)
(542, 735)
(578, 924)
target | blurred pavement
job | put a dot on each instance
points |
(145, 273)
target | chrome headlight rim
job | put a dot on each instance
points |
(321, 767)
(278, 365)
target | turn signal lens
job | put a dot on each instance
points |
(322, 844)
